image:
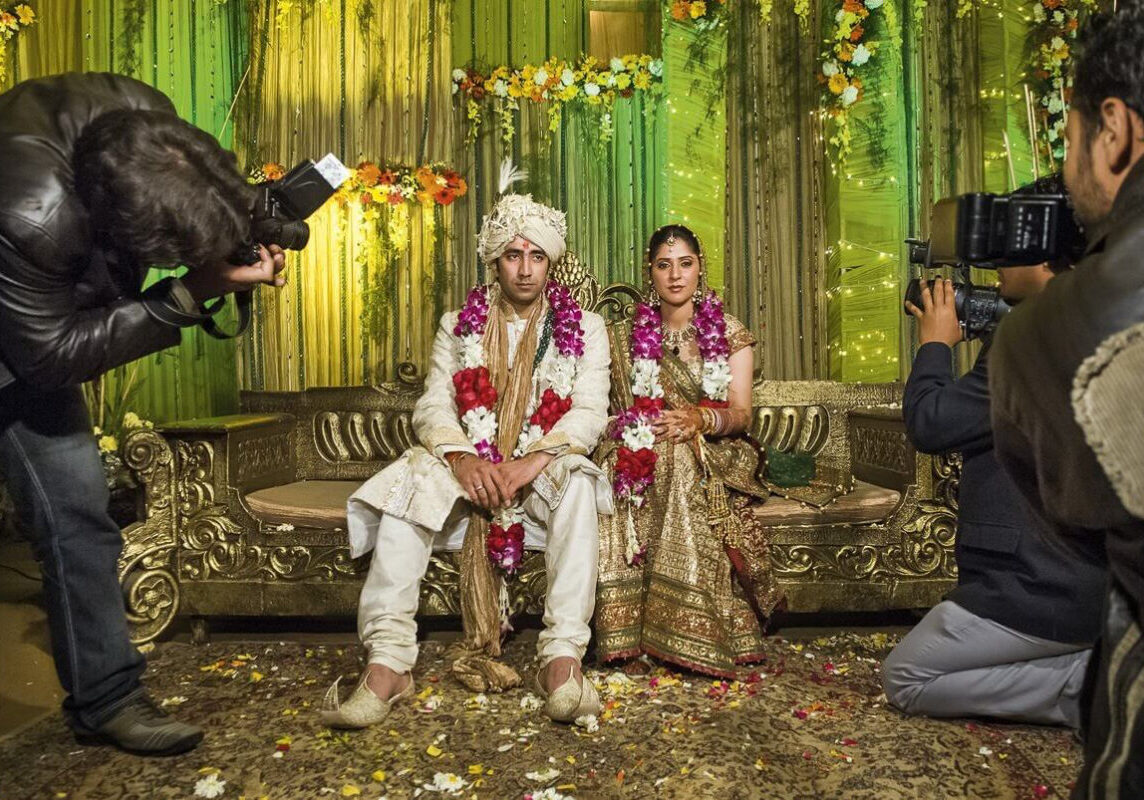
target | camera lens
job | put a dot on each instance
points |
(293, 235)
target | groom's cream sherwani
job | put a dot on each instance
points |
(415, 505)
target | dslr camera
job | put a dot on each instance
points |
(281, 207)
(279, 216)
(1032, 225)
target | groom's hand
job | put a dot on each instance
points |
(520, 472)
(482, 481)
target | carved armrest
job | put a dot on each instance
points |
(242, 452)
(880, 451)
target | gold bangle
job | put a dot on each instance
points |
(710, 421)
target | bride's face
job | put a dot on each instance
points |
(675, 272)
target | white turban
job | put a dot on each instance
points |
(519, 215)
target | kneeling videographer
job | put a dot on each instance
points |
(1067, 381)
(1013, 639)
(101, 181)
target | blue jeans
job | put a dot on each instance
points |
(52, 469)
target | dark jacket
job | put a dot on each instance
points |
(69, 311)
(1008, 571)
(1039, 349)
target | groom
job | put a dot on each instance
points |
(548, 364)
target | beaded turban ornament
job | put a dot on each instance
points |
(519, 215)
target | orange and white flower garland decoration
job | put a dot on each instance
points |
(476, 398)
(634, 472)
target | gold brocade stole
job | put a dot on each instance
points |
(483, 592)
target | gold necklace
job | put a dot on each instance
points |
(675, 339)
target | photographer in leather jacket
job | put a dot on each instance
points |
(101, 182)
(1072, 445)
(1013, 639)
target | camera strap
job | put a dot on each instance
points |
(242, 301)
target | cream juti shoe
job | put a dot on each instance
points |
(570, 700)
(362, 708)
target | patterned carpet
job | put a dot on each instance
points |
(809, 723)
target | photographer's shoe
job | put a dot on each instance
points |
(143, 729)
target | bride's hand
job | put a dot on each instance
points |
(677, 424)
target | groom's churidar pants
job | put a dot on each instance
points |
(390, 596)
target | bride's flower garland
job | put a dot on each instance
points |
(635, 461)
(476, 399)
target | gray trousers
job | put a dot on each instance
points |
(957, 664)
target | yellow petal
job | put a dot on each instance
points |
(349, 790)
(379, 776)
(434, 751)
(255, 677)
(476, 769)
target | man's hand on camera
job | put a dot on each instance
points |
(216, 280)
(937, 318)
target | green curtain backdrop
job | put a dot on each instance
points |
(367, 81)
(775, 270)
(193, 51)
(810, 258)
(695, 170)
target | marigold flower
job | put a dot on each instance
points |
(368, 173)
(698, 9)
(680, 10)
(25, 14)
(838, 83)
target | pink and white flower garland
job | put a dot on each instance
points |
(634, 471)
(476, 400)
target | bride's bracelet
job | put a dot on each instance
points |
(717, 421)
(711, 421)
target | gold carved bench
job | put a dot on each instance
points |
(244, 515)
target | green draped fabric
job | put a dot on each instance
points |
(696, 137)
(812, 260)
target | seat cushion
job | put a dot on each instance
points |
(867, 503)
(322, 504)
(308, 504)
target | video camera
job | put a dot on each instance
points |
(1032, 225)
(282, 206)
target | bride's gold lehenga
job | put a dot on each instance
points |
(687, 602)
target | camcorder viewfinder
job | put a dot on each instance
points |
(1031, 226)
(281, 207)
(1017, 230)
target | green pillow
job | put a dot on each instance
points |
(789, 469)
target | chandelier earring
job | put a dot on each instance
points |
(652, 295)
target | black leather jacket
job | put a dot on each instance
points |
(69, 311)
(1036, 354)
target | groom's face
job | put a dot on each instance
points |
(521, 272)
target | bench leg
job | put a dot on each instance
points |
(200, 630)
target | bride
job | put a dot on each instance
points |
(676, 579)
